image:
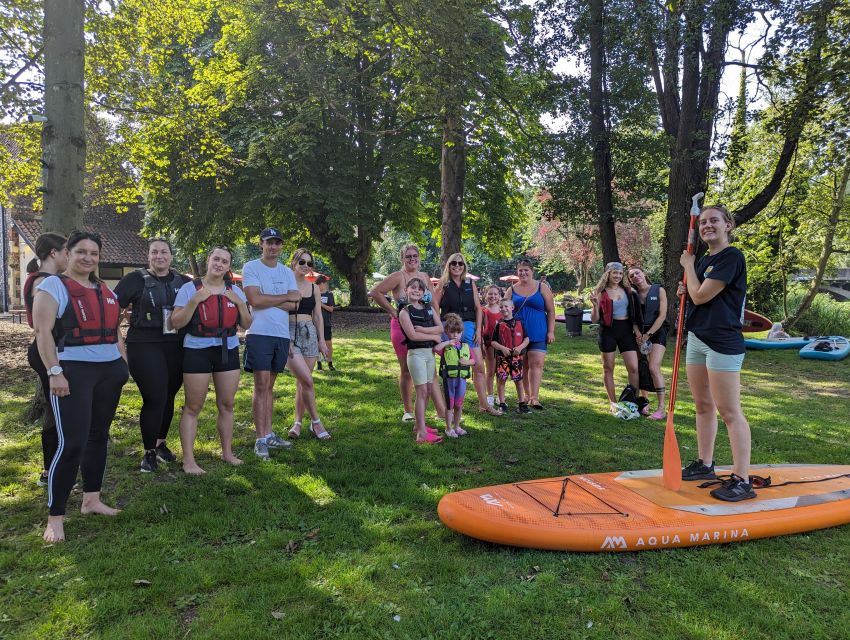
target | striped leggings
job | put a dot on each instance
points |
(83, 419)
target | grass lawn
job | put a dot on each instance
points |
(341, 539)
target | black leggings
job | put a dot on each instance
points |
(157, 368)
(82, 421)
(49, 437)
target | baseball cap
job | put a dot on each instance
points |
(270, 232)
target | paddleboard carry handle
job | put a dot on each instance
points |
(672, 460)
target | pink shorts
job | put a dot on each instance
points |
(397, 338)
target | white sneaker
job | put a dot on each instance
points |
(407, 417)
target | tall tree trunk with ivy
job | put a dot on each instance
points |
(63, 135)
(599, 130)
(452, 180)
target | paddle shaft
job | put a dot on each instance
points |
(672, 459)
(677, 353)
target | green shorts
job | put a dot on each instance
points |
(699, 353)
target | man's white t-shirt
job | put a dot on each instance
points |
(272, 281)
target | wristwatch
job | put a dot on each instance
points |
(55, 370)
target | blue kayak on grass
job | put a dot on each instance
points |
(826, 348)
(777, 343)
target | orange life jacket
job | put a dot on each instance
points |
(90, 317)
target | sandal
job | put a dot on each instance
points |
(430, 438)
(428, 429)
(321, 435)
(295, 431)
(536, 405)
(491, 410)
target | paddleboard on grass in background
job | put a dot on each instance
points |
(632, 511)
(826, 348)
(777, 343)
(755, 322)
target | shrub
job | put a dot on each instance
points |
(825, 317)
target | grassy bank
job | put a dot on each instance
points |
(341, 539)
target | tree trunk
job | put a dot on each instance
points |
(826, 252)
(63, 137)
(452, 181)
(601, 140)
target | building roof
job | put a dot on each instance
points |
(120, 232)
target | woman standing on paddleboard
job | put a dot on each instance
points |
(717, 293)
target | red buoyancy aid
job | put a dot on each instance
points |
(29, 297)
(90, 317)
(215, 317)
(606, 309)
(510, 336)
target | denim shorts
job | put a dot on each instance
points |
(699, 353)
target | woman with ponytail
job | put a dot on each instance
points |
(51, 258)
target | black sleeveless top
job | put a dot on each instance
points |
(307, 304)
(459, 300)
(420, 318)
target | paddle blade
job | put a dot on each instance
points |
(672, 464)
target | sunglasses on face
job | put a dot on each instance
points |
(455, 263)
(302, 262)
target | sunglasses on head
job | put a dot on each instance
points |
(302, 262)
(455, 263)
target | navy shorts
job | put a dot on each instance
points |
(660, 337)
(265, 353)
(209, 360)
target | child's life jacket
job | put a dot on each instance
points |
(510, 333)
(91, 316)
(420, 318)
(156, 296)
(29, 297)
(450, 366)
(215, 317)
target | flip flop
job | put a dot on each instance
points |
(430, 438)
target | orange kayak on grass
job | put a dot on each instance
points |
(632, 511)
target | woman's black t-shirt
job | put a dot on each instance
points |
(719, 322)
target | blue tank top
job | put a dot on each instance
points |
(531, 311)
(620, 308)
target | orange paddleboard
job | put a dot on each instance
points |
(632, 511)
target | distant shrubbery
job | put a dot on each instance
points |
(826, 316)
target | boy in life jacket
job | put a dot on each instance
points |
(509, 341)
(455, 368)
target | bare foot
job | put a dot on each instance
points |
(55, 530)
(96, 506)
(231, 459)
(192, 469)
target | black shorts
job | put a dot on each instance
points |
(660, 337)
(265, 353)
(209, 360)
(618, 336)
(329, 332)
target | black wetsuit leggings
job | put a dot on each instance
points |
(82, 421)
(157, 368)
(49, 438)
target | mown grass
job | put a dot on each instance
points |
(341, 538)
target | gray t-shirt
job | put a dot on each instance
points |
(273, 281)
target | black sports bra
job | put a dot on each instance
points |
(308, 303)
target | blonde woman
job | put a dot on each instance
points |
(616, 311)
(457, 293)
